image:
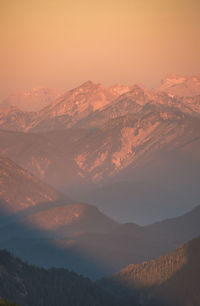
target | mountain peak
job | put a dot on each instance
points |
(89, 84)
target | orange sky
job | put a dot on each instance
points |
(61, 43)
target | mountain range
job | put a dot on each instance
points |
(140, 136)
(53, 230)
(96, 179)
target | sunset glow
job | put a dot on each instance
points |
(64, 43)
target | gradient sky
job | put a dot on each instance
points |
(61, 43)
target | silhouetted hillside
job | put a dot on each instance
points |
(32, 286)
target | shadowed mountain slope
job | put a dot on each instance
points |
(29, 285)
(71, 219)
(62, 221)
(93, 244)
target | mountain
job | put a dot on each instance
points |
(89, 243)
(157, 146)
(173, 279)
(151, 198)
(128, 102)
(31, 100)
(124, 140)
(134, 100)
(90, 105)
(72, 107)
(61, 221)
(119, 89)
(71, 219)
(130, 243)
(49, 156)
(119, 140)
(30, 285)
(21, 191)
(13, 119)
(175, 84)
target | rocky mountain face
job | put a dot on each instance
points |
(72, 107)
(125, 140)
(175, 84)
(13, 119)
(31, 100)
(121, 141)
(162, 185)
(48, 156)
(173, 279)
(91, 105)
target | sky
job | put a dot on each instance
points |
(61, 43)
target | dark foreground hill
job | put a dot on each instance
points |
(172, 280)
(3, 302)
(32, 286)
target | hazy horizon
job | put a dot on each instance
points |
(64, 44)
